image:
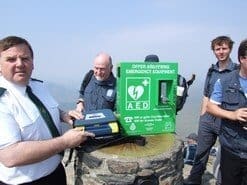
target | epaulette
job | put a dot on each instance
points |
(2, 90)
(34, 79)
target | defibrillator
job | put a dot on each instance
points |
(101, 122)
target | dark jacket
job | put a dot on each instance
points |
(232, 136)
(213, 75)
(100, 94)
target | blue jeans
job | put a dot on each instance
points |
(207, 136)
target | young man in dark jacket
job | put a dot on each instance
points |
(209, 125)
(228, 102)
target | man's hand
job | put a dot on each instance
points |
(240, 115)
(70, 116)
(74, 137)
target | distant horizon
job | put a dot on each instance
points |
(67, 35)
(186, 119)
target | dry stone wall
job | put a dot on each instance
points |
(159, 162)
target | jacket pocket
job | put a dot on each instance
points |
(231, 99)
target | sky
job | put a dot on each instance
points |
(67, 35)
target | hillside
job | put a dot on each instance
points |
(65, 95)
(187, 118)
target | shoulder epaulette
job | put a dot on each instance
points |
(37, 80)
(2, 90)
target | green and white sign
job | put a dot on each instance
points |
(138, 93)
(146, 98)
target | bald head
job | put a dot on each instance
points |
(102, 66)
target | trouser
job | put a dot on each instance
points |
(207, 136)
(56, 177)
(233, 169)
(216, 167)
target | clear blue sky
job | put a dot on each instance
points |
(67, 34)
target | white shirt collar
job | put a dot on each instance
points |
(18, 93)
(11, 86)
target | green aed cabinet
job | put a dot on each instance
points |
(146, 97)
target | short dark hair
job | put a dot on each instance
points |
(221, 40)
(151, 58)
(242, 49)
(11, 41)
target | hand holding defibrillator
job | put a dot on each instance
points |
(74, 137)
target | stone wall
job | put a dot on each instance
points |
(160, 161)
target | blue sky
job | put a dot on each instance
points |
(66, 35)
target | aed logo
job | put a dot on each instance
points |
(138, 105)
(138, 93)
(135, 92)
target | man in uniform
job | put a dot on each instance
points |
(31, 142)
